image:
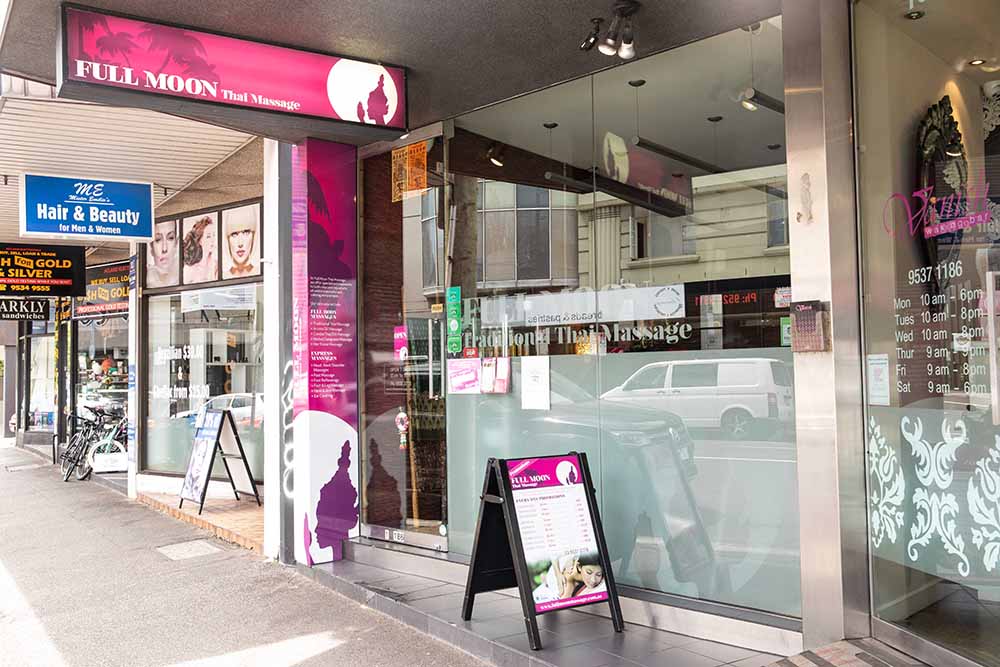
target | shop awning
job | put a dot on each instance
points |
(460, 55)
(44, 135)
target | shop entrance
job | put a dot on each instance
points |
(402, 438)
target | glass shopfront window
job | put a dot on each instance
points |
(204, 352)
(641, 261)
(102, 365)
(42, 383)
(929, 173)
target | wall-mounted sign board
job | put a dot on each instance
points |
(107, 291)
(85, 208)
(539, 530)
(206, 75)
(30, 310)
(41, 270)
(215, 434)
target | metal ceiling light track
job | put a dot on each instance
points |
(659, 149)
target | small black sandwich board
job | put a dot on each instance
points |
(539, 530)
(215, 431)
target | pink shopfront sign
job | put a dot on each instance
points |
(115, 51)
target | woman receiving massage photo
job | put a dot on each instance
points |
(571, 575)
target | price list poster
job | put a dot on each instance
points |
(557, 532)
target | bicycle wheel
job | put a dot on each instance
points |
(64, 457)
(83, 467)
(72, 459)
(74, 451)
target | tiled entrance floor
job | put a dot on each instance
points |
(238, 521)
(496, 633)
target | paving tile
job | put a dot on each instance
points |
(496, 628)
(470, 642)
(402, 584)
(441, 603)
(579, 656)
(627, 645)
(401, 612)
(721, 652)
(759, 660)
(562, 619)
(519, 641)
(678, 657)
(584, 630)
(432, 592)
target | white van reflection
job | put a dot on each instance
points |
(744, 397)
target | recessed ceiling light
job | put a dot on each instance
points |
(976, 62)
(915, 15)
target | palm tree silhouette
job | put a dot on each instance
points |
(87, 22)
(198, 67)
(181, 47)
(117, 42)
(315, 196)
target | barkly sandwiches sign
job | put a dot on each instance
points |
(111, 51)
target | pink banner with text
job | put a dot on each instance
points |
(109, 50)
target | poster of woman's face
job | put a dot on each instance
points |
(162, 260)
(200, 248)
(241, 242)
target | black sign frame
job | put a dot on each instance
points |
(41, 315)
(75, 272)
(217, 449)
(98, 272)
(498, 560)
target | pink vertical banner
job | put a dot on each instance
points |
(324, 348)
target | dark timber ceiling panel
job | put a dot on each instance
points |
(461, 54)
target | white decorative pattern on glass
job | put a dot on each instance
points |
(984, 505)
(888, 487)
(934, 462)
(935, 513)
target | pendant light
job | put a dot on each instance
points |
(750, 98)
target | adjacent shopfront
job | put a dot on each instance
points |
(928, 95)
(202, 307)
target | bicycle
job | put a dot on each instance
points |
(114, 441)
(85, 430)
(106, 434)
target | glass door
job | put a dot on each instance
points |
(403, 414)
(929, 150)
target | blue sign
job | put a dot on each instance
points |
(58, 207)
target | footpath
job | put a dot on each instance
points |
(90, 578)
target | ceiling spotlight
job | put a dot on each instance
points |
(752, 99)
(915, 15)
(590, 40)
(495, 154)
(609, 45)
(976, 62)
(627, 49)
